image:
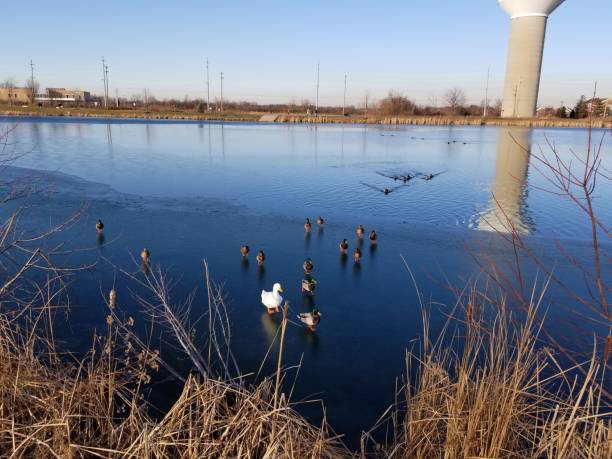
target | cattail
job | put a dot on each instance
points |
(608, 348)
(112, 299)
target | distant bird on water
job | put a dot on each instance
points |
(357, 255)
(344, 246)
(99, 226)
(308, 266)
(261, 257)
(307, 225)
(244, 250)
(320, 221)
(360, 231)
(145, 255)
(310, 319)
(373, 237)
(309, 285)
(384, 190)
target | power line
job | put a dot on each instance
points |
(486, 101)
(107, 85)
(317, 104)
(32, 78)
(221, 91)
(344, 98)
(104, 75)
(207, 87)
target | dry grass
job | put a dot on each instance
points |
(502, 395)
(96, 407)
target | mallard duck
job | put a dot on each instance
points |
(272, 300)
(428, 176)
(360, 231)
(373, 237)
(307, 225)
(320, 221)
(261, 257)
(310, 319)
(344, 245)
(308, 266)
(99, 226)
(309, 285)
(244, 250)
(357, 255)
(145, 255)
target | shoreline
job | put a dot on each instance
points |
(295, 118)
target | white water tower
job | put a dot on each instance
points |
(527, 31)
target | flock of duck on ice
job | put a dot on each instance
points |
(273, 300)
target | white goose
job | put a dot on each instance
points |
(272, 300)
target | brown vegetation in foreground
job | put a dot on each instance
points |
(502, 395)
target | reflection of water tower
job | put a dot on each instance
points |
(507, 205)
(527, 31)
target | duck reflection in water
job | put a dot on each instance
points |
(100, 238)
(343, 259)
(261, 272)
(270, 324)
(245, 264)
(310, 339)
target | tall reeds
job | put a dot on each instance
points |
(498, 393)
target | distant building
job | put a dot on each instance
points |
(605, 105)
(64, 95)
(15, 95)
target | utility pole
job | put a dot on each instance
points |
(317, 104)
(207, 88)
(221, 91)
(104, 80)
(106, 75)
(344, 99)
(486, 100)
(32, 78)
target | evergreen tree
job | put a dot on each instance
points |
(581, 110)
(562, 112)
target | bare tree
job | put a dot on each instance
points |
(8, 83)
(455, 98)
(396, 104)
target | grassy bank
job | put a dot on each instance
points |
(162, 114)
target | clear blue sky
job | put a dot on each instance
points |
(269, 50)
